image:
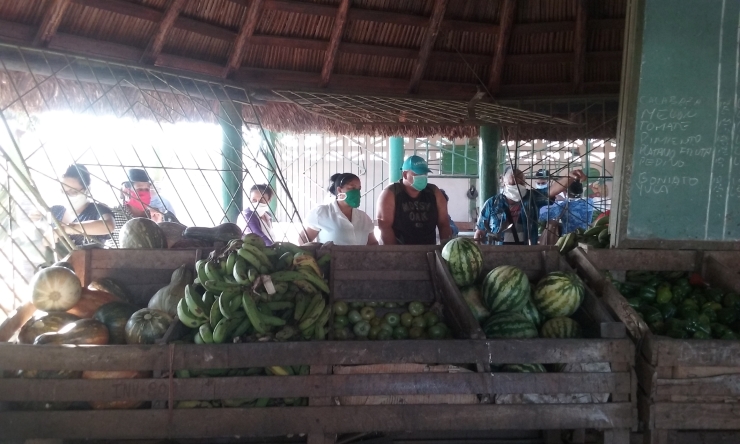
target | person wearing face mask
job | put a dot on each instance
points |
(511, 216)
(411, 211)
(340, 221)
(259, 218)
(82, 219)
(542, 180)
(573, 213)
(136, 197)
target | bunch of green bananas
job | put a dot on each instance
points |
(596, 236)
(254, 288)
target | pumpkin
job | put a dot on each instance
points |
(222, 233)
(115, 315)
(124, 374)
(141, 233)
(167, 297)
(172, 232)
(113, 287)
(43, 322)
(146, 326)
(47, 374)
(90, 302)
(55, 289)
(82, 332)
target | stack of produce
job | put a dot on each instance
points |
(508, 306)
(681, 305)
(597, 236)
(388, 320)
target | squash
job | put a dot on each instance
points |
(82, 332)
(47, 374)
(115, 315)
(55, 289)
(124, 374)
(113, 287)
(43, 322)
(222, 233)
(172, 232)
(146, 326)
(167, 297)
(90, 302)
(15, 321)
(141, 233)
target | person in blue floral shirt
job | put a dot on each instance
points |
(511, 217)
(573, 213)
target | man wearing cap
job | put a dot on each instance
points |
(411, 211)
(541, 180)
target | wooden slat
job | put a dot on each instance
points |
(334, 40)
(165, 25)
(452, 298)
(245, 33)
(50, 22)
(726, 385)
(508, 12)
(190, 356)
(696, 352)
(176, 62)
(651, 260)
(95, 48)
(719, 275)
(580, 40)
(278, 421)
(383, 275)
(399, 291)
(387, 384)
(430, 36)
(696, 416)
(148, 259)
(381, 258)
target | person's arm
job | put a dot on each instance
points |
(371, 239)
(481, 225)
(103, 227)
(312, 227)
(386, 213)
(443, 218)
(307, 235)
(253, 223)
(561, 185)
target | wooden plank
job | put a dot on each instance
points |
(278, 421)
(165, 25)
(315, 386)
(730, 259)
(651, 260)
(453, 300)
(148, 259)
(725, 385)
(50, 22)
(191, 356)
(176, 62)
(707, 437)
(399, 291)
(580, 40)
(696, 352)
(245, 33)
(524, 257)
(702, 372)
(696, 416)
(617, 436)
(382, 257)
(508, 13)
(719, 275)
(336, 37)
(647, 376)
(95, 48)
(383, 275)
(141, 276)
(430, 36)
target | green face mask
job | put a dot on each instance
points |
(351, 198)
(419, 183)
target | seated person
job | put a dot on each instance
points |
(259, 218)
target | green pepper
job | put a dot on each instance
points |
(710, 314)
(668, 310)
(651, 314)
(664, 294)
(690, 303)
(701, 335)
(672, 275)
(676, 324)
(640, 276)
(714, 294)
(698, 323)
(718, 330)
(635, 303)
(731, 300)
(658, 328)
(726, 316)
(680, 292)
(677, 334)
(712, 306)
(647, 294)
(730, 335)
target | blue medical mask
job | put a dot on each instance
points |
(541, 186)
(419, 182)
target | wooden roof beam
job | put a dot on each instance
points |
(245, 33)
(336, 37)
(508, 12)
(165, 25)
(50, 22)
(438, 13)
(579, 45)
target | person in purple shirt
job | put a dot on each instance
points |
(259, 216)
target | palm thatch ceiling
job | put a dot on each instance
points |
(298, 50)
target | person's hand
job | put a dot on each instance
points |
(578, 175)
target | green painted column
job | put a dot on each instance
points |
(395, 159)
(269, 153)
(488, 162)
(231, 161)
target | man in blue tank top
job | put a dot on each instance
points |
(411, 210)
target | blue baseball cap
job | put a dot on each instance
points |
(417, 164)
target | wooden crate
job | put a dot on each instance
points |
(605, 342)
(685, 384)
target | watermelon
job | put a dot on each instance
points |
(523, 368)
(558, 294)
(465, 260)
(530, 312)
(509, 325)
(141, 233)
(561, 327)
(473, 298)
(506, 288)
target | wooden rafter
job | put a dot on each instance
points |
(579, 44)
(245, 33)
(508, 12)
(165, 25)
(430, 37)
(50, 22)
(336, 38)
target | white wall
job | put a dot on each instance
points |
(456, 189)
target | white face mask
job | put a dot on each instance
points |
(541, 186)
(262, 209)
(514, 192)
(77, 201)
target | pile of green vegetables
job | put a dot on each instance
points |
(387, 320)
(681, 305)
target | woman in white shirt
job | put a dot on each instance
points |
(340, 221)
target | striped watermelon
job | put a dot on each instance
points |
(530, 312)
(506, 288)
(475, 302)
(465, 260)
(509, 325)
(561, 327)
(558, 294)
(523, 368)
